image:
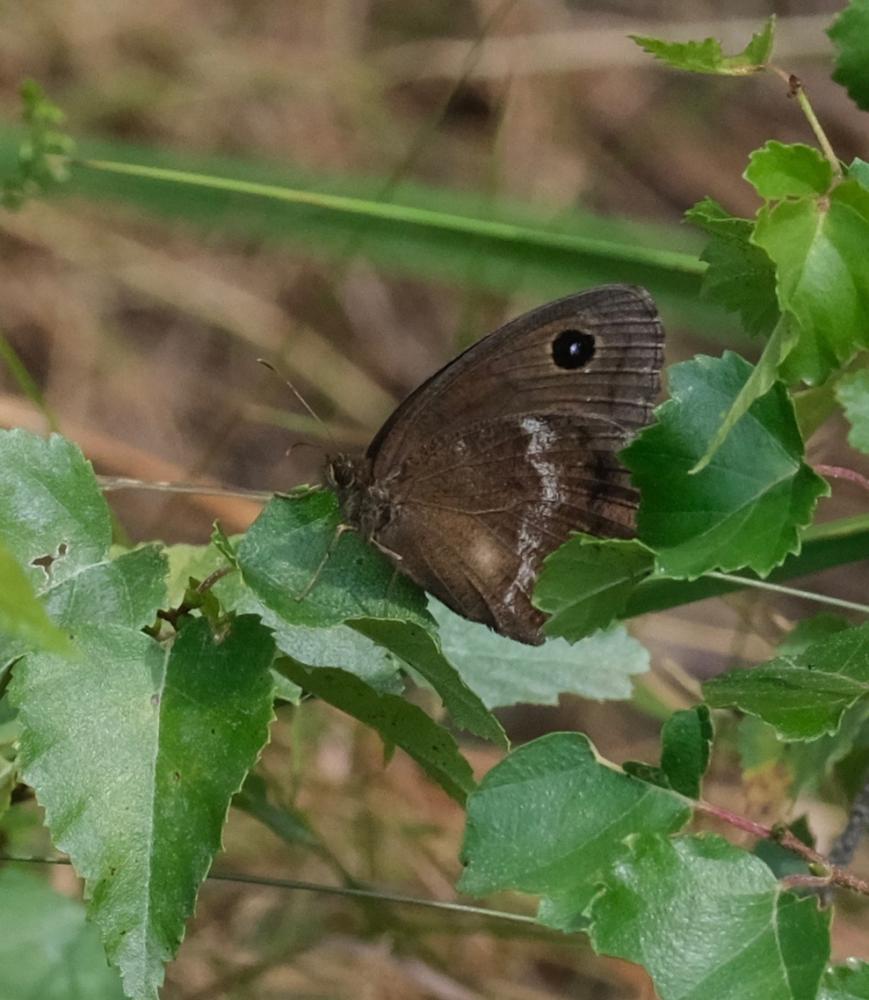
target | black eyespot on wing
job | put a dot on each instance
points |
(572, 349)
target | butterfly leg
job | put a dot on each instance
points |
(391, 584)
(394, 556)
(327, 555)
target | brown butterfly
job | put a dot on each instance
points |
(490, 465)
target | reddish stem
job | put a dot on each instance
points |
(840, 472)
(832, 874)
(173, 614)
(813, 882)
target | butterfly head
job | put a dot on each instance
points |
(341, 475)
(345, 476)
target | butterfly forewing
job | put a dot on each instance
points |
(514, 371)
(489, 465)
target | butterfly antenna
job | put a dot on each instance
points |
(316, 416)
(302, 444)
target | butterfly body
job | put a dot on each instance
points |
(490, 465)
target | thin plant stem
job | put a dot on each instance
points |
(822, 868)
(840, 472)
(376, 894)
(820, 135)
(333, 890)
(26, 383)
(806, 595)
(109, 484)
(797, 90)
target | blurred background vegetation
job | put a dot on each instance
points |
(139, 307)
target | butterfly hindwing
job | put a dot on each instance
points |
(490, 465)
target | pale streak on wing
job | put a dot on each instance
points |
(533, 521)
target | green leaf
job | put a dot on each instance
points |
(464, 238)
(746, 506)
(294, 561)
(44, 152)
(10, 730)
(708, 919)
(67, 525)
(740, 276)
(398, 722)
(859, 170)
(421, 650)
(780, 861)
(504, 672)
(8, 781)
(818, 246)
(757, 743)
(811, 630)
(22, 617)
(846, 982)
(707, 56)
(192, 561)
(810, 763)
(852, 391)
(323, 647)
(834, 543)
(135, 755)
(223, 543)
(124, 591)
(55, 523)
(759, 48)
(285, 690)
(814, 405)
(550, 820)
(781, 170)
(336, 645)
(686, 744)
(318, 647)
(289, 824)
(47, 948)
(585, 584)
(802, 695)
(292, 548)
(850, 34)
(762, 378)
(800, 767)
(850, 768)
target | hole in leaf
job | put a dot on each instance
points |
(43, 561)
(48, 560)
